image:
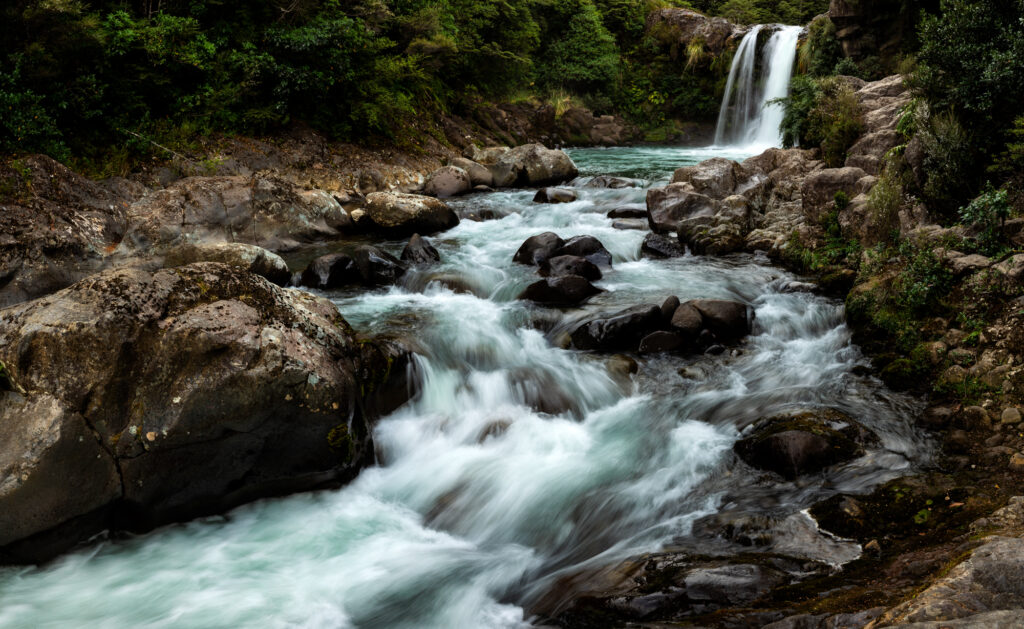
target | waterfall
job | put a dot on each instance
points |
(748, 116)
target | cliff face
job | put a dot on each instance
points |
(876, 27)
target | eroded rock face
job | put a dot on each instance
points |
(173, 394)
(679, 27)
(535, 165)
(396, 213)
(55, 227)
(259, 210)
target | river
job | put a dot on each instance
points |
(519, 463)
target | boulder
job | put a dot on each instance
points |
(56, 227)
(448, 181)
(618, 332)
(729, 321)
(396, 213)
(560, 266)
(479, 175)
(260, 210)
(679, 28)
(611, 183)
(377, 267)
(802, 443)
(420, 251)
(636, 224)
(555, 195)
(686, 319)
(487, 156)
(586, 247)
(333, 270)
(628, 212)
(716, 178)
(661, 341)
(175, 394)
(569, 290)
(819, 188)
(668, 207)
(658, 246)
(249, 257)
(535, 165)
(537, 249)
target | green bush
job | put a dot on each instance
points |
(950, 163)
(988, 214)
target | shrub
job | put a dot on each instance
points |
(988, 214)
(950, 164)
(835, 122)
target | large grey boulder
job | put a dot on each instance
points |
(400, 214)
(448, 181)
(668, 207)
(259, 210)
(142, 398)
(535, 165)
(249, 257)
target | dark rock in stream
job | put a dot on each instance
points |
(621, 331)
(420, 251)
(377, 267)
(729, 321)
(803, 443)
(570, 290)
(174, 394)
(628, 213)
(537, 249)
(587, 247)
(610, 183)
(658, 246)
(333, 270)
(559, 266)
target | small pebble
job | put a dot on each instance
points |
(1017, 462)
(1011, 416)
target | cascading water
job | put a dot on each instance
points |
(749, 117)
(520, 465)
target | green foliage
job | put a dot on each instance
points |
(823, 113)
(988, 214)
(950, 163)
(583, 57)
(822, 51)
(885, 200)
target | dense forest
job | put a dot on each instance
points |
(77, 77)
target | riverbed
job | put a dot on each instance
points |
(518, 463)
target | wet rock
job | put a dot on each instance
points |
(628, 212)
(205, 386)
(631, 224)
(260, 210)
(479, 175)
(555, 195)
(559, 266)
(570, 290)
(396, 213)
(621, 331)
(249, 257)
(420, 251)
(731, 584)
(377, 267)
(668, 309)
(668, 207)
(975, 592)
(622, 366)
(687, 320)
(448, 181)
(538, 249)
(802, 443)
(819, 188)
(333, 270)
(535, 165)
(716, 178)
(611, 183)
(658, 246)
(729, 321)
(662, 342)
(587, 247)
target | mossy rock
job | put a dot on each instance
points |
(803, 442)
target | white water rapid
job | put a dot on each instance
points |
(520, 465)
(748, 117)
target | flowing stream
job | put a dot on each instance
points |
(520, 463)
(750, 116)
